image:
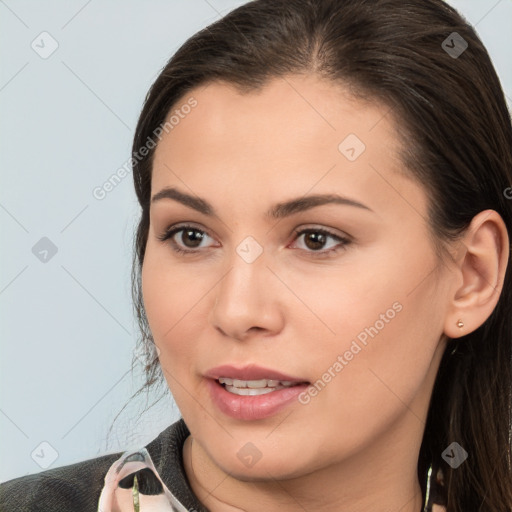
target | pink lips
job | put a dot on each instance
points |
(257, 407)
(251, 372)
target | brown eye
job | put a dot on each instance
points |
(315, 240)
(191, 237)
(320, 242)
(185, 239)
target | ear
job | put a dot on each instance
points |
(481, 266)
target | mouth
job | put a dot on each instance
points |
(252, 392)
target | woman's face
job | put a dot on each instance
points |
(308, 264)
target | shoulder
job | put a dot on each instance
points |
(72, 487)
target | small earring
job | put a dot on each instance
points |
(460, 324)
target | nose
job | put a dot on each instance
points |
(248, 300)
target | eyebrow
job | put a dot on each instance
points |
(278, 211)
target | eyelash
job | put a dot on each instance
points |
(169, 234)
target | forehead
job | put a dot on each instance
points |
(295, 134)
(303, 110)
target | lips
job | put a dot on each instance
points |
(252, 392)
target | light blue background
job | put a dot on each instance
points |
(67, 329)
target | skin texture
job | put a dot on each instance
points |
(355, 445)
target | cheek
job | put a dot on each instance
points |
(387, 302)
(171, 299)
(388, 322)
(167, 304)
(341, 303)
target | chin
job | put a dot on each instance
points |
(276, 465)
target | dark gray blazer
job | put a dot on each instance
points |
(77, 487)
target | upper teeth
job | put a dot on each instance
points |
(255, 384)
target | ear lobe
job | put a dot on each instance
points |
(482, 266)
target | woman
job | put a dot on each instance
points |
(322, 266)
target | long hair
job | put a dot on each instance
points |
(426, 64)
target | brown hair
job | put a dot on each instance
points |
(453, 115)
